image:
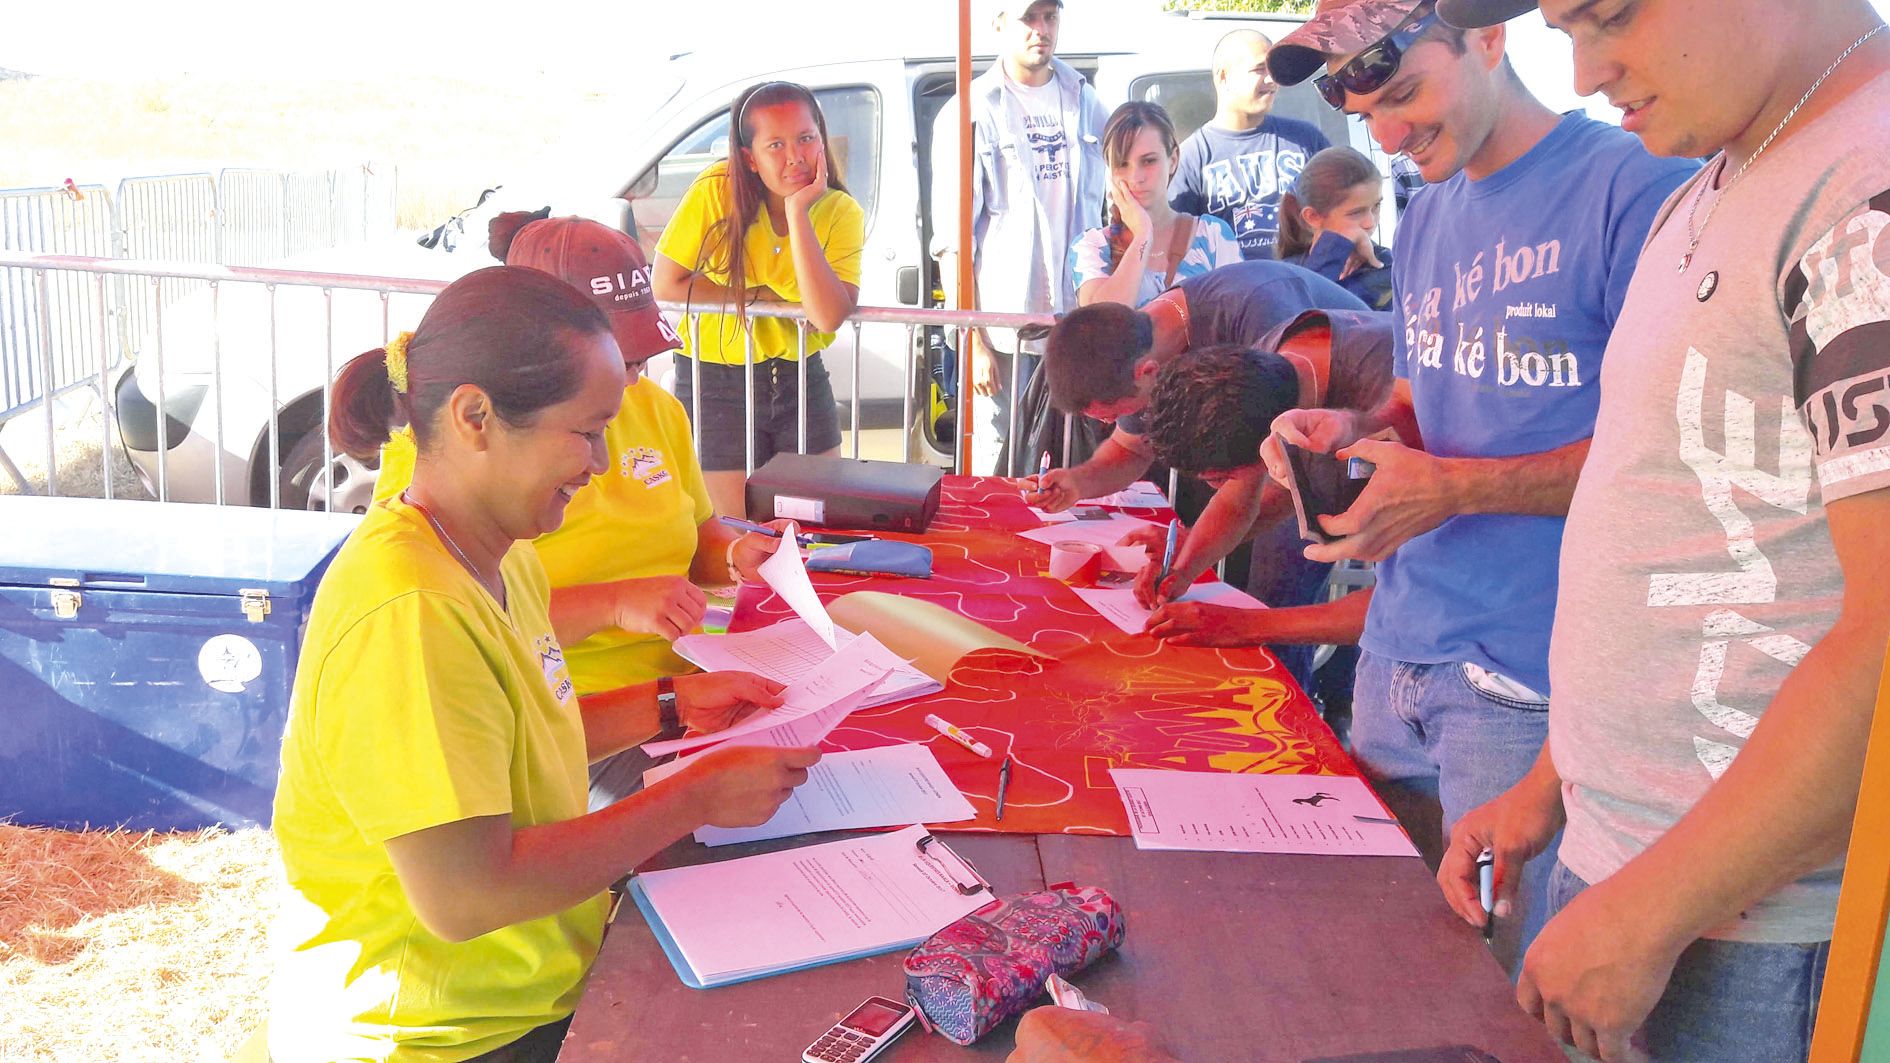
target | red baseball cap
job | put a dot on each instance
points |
(606, 265)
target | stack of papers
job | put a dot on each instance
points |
(812, 706)
(776, 912)
(789, 651)
(852, 790)
(1334, 815)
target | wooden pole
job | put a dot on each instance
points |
(1850, 974)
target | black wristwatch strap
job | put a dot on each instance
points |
(667, 716)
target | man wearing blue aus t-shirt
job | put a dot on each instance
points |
(1511, 269)
(1236, 166)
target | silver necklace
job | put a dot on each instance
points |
(1693, 235)
(440, 530)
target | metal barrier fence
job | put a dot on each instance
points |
(251, 403)
(56, 329)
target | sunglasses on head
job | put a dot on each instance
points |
(1370, 69)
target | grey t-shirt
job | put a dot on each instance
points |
(1244, 303)
(1360, 376)
(1738, 399)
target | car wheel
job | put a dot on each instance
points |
(302, 484)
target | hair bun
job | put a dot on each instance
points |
(503, 229)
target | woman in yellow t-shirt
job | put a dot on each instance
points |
(626, 562)
(771, 224)
(446, 889)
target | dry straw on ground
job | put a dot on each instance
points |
(123, 946)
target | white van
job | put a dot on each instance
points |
(879, 96)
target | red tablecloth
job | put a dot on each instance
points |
(1108, 700)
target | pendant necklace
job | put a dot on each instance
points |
(440, 530)
(1719, 165)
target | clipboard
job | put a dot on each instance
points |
(955, 868)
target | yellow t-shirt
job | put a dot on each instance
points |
(635, 521)
(839, 223)
(418, 702)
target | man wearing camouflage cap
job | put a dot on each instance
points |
(1511, 268)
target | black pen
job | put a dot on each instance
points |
(1004, 783)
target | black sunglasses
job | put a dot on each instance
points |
(1370, 69)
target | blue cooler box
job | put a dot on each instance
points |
(147, 651)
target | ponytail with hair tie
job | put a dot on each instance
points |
(396, 354)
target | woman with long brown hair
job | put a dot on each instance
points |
(771, 224)
(1147, 247)
(446, 891)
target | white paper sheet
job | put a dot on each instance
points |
(852, 790)
(819, 903)
(786, 573)
(1101, 532)
(1118, 605)
(1140, 494)
(1229, 813)
(787, 651)
(857, 667)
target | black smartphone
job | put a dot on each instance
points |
(1322, 486)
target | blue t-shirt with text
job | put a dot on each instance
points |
(1238, 176)
(1505, 292)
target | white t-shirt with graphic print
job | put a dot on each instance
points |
(1049, 145)
(1739, 399)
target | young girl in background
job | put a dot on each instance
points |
(1327, 220)
(1148, 247)
(771, 224)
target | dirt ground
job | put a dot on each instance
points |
(81, 438)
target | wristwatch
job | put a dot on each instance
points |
(667, 716)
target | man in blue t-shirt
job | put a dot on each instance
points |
(1236, 166)
(1512, 264)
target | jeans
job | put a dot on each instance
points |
(1727, 1001)
(1436, 745)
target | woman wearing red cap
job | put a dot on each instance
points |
(445, 887)
(772, 224)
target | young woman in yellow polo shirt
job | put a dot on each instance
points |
(446, 889)
(773, 223)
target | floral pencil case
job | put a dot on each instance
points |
(981, 970)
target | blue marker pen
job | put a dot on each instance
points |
(1168, 555)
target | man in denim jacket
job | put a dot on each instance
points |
(1037, 184)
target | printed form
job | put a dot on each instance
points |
(852, 790)
(1225, 812)
(1118, 605)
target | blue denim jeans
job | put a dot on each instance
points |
(1434, 744)
(1728, 1001)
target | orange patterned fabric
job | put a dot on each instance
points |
(1108, 700)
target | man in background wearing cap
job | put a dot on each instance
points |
(1511, 267)
(1722, 617)
(1236, 166)
(1036, 185)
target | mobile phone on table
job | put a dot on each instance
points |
(1322, 486)
(868, 1028)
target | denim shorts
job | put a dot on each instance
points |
(777, 411)
(1727, 1001)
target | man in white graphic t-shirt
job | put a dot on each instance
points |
(1037, 184)
(1722, 615)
